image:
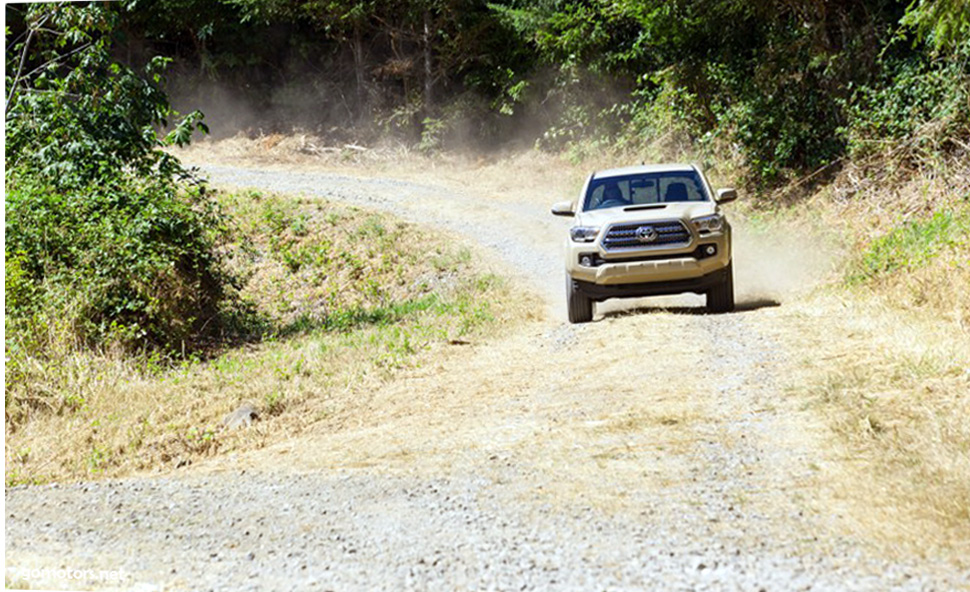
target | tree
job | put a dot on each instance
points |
(945, 22)
(74, 115)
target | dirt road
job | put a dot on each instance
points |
(656, 448)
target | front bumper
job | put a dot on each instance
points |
(699, 285)
(684, 266)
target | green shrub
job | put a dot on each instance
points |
(922, 102)
(78, 117)
(133, 255)
(912, 245)
(104, 236)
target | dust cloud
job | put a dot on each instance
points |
(774, 263)
(301, 100)
(308, 106)
(227, 113)
(778, 261)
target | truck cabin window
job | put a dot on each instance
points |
(655, 188)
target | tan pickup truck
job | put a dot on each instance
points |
(647, 230)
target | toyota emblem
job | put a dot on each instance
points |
(646, 234)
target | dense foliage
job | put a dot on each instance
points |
(787, 86)
(107, 240)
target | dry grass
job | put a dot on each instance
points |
(887, 352)
(343, 308)
(894, 388)
(881, 207)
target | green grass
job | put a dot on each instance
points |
(912, 246)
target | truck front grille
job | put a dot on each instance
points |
(644, 235)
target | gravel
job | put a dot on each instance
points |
(360, 531)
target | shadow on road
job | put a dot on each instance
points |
(742, 306)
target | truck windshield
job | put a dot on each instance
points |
(646, 188)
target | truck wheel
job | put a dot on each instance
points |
(720, 298)
(580, 307)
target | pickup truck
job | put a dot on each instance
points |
(647, 230)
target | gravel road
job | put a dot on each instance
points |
(348, 531)
(596, 475)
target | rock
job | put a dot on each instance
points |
(242, 417)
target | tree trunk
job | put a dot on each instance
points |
(358, 51)
(428, 70)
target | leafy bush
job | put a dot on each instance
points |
(925, 103)
(136, 258)
(783, 128)
(79, 117)
(104, 237)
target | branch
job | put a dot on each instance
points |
(20, 69)
(17, 40)
(47, 91)
(58, 59)
(23, 61)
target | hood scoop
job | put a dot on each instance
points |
(644, 207)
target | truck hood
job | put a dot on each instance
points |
(680, 210)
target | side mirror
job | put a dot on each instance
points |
(726, 195)
(563, 208)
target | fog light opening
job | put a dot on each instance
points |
(710, 250)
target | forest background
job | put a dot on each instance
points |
(783, 87)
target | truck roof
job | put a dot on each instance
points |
(643, 168)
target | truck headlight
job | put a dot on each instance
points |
(712, 223)
(583, 234)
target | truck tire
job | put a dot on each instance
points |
(720, 298)
(579, 306)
